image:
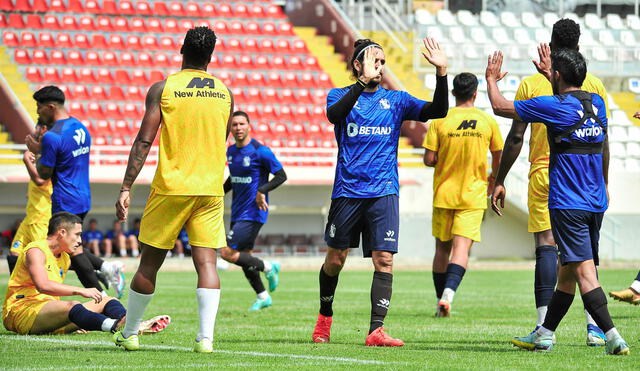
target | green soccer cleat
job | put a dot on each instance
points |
(261, 303)
(203, 346)
(130, 343)
(534, 342)
(617, 347)
(273, 276)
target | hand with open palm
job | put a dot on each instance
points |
(435, 55)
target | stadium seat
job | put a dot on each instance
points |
(98, 93)
(81, 41)
(16, 21)
(33, 74)
(115, 42)
(10, 39)
(241, 11)
(92, 6)
(76, 109)
(133, 42)
(69, 23)
(63, 40)
(116, 93)
(86, 76)
(466, 18)
(274, 12)
(104, 76)
(39, 57)
(274, 80)
(208, 10)
(268, 113)
(288, 97)
(21, 56)
(51, 75)
(135, 93)
(57, 6)
(74, 58)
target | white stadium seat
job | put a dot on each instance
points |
(531, 20)
(425, 17)
(611, 103)
(521, 36)
(467, 18)
(456, 34)
(632, 164)
(618, 117)
(606, 38)
(489, 19)
(634, 133)
(445, 17)
(510, 20)
(617, 149)
(593, 21)
(633, 149)
(479, 35)
(627, 37)
(614, 21)
(500, 36)
(633, 22)
(550, 19)
(543, 35)
(587, 39)
(617, 133)
(436, 33)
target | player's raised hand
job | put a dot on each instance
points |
(29, 157)
(91, 293)
(369, 70)
(637, 115)
(33, 144)
(499, 193)
(494, 67)
(435, 55)
(122, 205)
(544, 65)
(261, 200)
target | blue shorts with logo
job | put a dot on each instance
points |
(376, 219)
(242, 234)
(577, 233)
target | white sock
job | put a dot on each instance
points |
(108, 324)
(123, 253)
(447, 294)
(267, 267)
(135, 253)
(612, 334)
(636, 286)
(544, 331)
(208, 301)
(589, 319)
(106, 267)
(263, 295)
(135, 310)
(542, 312)
(181, 256)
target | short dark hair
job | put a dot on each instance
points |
(571, 65)
(92, 220)
(464, 85)
(358, 47)
(62, 220)
(49, 94)
(243, 114)
(42, 123)
(198, 45)
(565, 34)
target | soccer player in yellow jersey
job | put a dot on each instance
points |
(457, 147)
(566, 34)
(193, 110)
(34, 225)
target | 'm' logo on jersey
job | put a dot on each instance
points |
(246, 161)
(353, 129)
(200, 83)
(467, 124)
(80, 136)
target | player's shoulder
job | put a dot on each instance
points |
(592, 83)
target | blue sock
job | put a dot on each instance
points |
(546, 274)
(638, 276)
(86, 319)
(114, 309)
(455, 273)
(439, 280)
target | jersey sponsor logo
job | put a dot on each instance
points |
(592, 131)
(332, 230)
(199, 94)
(353, 130)
(16, 245)
(246, 161)
(241, 179)
(80, 151)
(80, 136)
(230, 159)
(467, 124)
(384, 103)
(390, 236)
(200, 83)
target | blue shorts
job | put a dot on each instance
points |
(376, 219)
(242, 234)
(577, 233)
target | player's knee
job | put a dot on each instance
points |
(72, 303)
(383, 262)
(335, 261)
(226, 253)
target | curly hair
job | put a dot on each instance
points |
(358, 47)
(566, 34)
(198, 45)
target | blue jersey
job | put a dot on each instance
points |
(575, 180)
(88, 236)
(367, 164)
(249, 168)
(66, 149)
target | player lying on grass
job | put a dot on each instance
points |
(576, 124)
(32, 304)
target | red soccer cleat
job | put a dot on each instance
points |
(444, 309)
(155, 324)
(323, 329)
(378, 338)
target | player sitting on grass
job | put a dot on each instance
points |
(576, 124)
(32, 304)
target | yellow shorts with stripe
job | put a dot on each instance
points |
(28, 233)
(20, 317)
(463, 222)
(538, 201)
(165, 215)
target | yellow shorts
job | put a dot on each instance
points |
(201, 216)
(449, 222)
(28, 233)
(539, 201)
(21, 316)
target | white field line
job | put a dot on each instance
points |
(161, 367)
(187, 349)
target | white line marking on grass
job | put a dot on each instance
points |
(187, 349)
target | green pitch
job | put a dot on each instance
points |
(490, 308)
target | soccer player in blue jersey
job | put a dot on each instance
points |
(92, 238)
(367, 119)
(576, 124)
(250, 163)
(64, 158)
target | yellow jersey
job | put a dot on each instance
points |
(195, 108)
(21, 285)
(462, 140)
(39, 203)
(535, 86)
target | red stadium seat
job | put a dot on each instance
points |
(33, 74)
(286, 113)
(81, 41)
(280, 129)
(104, 24)
(228, 61)
(155, 75)
(166, 43)
(274, 11)
(33, 20)
(39, 6)
(269, 28)
(278, 63)
(262, 130)
(311, 63)
(143, 8)
(306, 80)
(63, 40)
(224, 11)
(92, 58)
(104, 76)
(117, 140)
(176, 9)
(268, 113)
(139, 77)
(21, 56)
(266, 46)
(302, 114)
(144, 59)
(252, 28)
(57, 6)
(282, 46)
(102, 127)
(109, 58)
(51, 75)
(99, 140)
(98, 42)
(39, 57)
(233, 45)
(154, 25)
(130, 111)
(254, 96)
(6, 5)
(318, 114)
(68, 75)
(134, 93)
(46, 40)
(112, 111)
(176, 60)
(74, 58)
(185, 25)
(274, 80)
(171, 25)
(138, 25)
(122, 126)
(257, 79)
(241, 79)
(126, 7)
(121, 77)
(238, 96)
(290, 80)
(86, 76)
(98, 93)
(295, 63)
(75, 6)
(85, 23)
(115, 42)
(285, 29)
(161, 60)
(22, 6)
(92, 6)
(69, 23)
(109, 7)
(245, 62)
(225, 77)
(192, 9)
(149, 42)
(76, 109)
(16, 21)
(116, 93)
(304, 97)
(288, 97)
(236, 28)
(121, 24)
(160, 9)
(270, 96)
(241, 11)
(10, 39)
(324, 81)
(297, 129)
(220, 27)
(256, 11)
(50, 22)
(299, 47)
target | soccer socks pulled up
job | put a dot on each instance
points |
(136, 306)
(208, 302)
(380, 298)
(557, 309)
(114, 309)
(546, 274)
(254, 279)
(455, 273)
(439, 280)
(328, 286)
(85, 271)
(595, 303)
(88, 320)
(96, 262)
(250, 262)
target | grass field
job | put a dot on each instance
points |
(490, 308)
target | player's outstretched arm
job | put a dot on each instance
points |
(440, 105)
(35, 260)
(544, 65)
(141, 146)
(495, 164)
(279, 177)
(501, 106)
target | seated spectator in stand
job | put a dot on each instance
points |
(92, 238)
(182, 244)
(132, 238)
(117, 238)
